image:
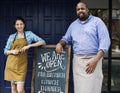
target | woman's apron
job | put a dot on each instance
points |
(16, 65)
(83, 82)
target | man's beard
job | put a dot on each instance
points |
(82, 17)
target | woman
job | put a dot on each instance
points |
(16, 50)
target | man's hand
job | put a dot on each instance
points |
(59, 48)
(91, 66)
(22, 50)
(93, 63)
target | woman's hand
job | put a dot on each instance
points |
(22, 50)
(14, 52)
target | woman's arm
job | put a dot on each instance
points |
(39, 43)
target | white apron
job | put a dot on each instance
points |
(83, 82)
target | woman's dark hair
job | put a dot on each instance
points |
(18, 18)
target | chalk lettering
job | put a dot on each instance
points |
(51, 61)
(50, 82)
(50, 89)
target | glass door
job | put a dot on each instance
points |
(115, 69)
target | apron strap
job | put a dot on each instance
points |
(24, 35)
(17, 34)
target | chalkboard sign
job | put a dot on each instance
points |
(51, 70)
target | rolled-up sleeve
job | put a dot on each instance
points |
(67, 37)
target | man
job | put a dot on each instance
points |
(90, 39)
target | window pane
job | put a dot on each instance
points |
(116, 28)
(115, 77)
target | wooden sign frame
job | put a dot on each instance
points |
(36, 78)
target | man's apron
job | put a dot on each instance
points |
(16, 65)
(83, 82)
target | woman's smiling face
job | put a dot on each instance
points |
(19, 25)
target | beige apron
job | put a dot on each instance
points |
(16, 65)
(83, 82)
